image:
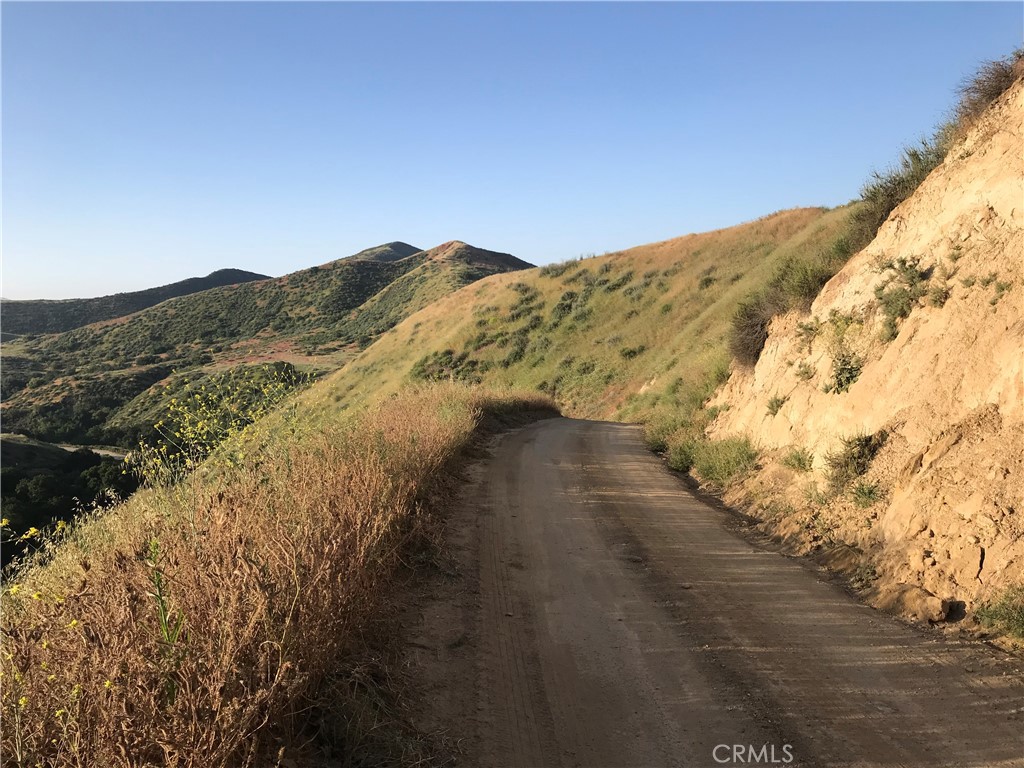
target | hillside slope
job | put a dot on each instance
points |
(61, 387)
(610, 336)
(924, 330)
(387, 252)
(18, 318)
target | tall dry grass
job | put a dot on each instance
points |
(201, 628)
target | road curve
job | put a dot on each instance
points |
(604, 616)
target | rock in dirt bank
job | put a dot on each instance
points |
(940, 510)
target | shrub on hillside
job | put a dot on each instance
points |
(799, 459)
(750, 325)
(1005, 612)
(887, 189)
(775, 404)
(989, 83)
(224, 627)
(852, 459)
(718, 462)
(799, 281)
(846, 368)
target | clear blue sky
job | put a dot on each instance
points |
(146, 143)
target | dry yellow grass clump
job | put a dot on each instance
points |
(197, 625)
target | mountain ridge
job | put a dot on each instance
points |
(63, 385)
(41, 316)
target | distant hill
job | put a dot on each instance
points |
(70, 386)
(18, 318)
(618, 335)
(387, 252)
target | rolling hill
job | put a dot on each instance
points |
(18, 318)
(67, 386)
(609, 336)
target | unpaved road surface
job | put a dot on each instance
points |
(599, 614)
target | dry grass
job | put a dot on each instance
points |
(206, 625)
(991, 81)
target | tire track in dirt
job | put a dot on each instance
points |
(604, 616)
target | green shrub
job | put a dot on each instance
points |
(1001, 288)
(899, 294)
(620, 283)
(794, 285)
(938, 295)
(887, 189)
(557, 270)
(799, 459)
(865, 494)
(989, 83)
(804, 372)
(628, 353)
(988, 279)
(852, 460)
(564, 306)
(681, 454)
(706, 282)
(750, 324)
(807, 332)
(657, 430)
(718, 462)
(969, 281)
(846, 368)
(775, 404)
(1005, 612)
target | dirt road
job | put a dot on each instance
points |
(602, 615)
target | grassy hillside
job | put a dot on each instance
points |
(242, 611)
(68, 386)
(387, 252)
(619, 335)
(18, 318)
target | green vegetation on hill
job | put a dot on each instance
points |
(796, 282)
(68, 386)
(42, 483)
(18, 318)
(239, 610)
(640, 335)
(387, 252)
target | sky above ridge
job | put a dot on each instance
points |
(144, 143)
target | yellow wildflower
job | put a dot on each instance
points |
(14, 589)
(37, 595)
(23, 702)
(107, 684)
(73, 623)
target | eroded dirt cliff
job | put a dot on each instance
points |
(919, 340)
